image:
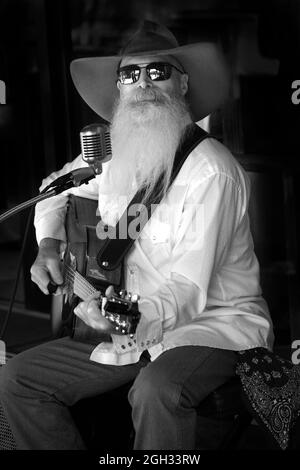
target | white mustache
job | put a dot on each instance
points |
(150, 95)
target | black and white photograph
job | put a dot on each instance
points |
(149, 230)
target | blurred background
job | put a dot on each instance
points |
(41, 116)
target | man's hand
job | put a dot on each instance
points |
(47, 266)
(90, 313)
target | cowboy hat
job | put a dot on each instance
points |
(95, 77)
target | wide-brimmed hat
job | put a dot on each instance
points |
(95, 77)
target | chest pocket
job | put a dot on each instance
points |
(156, 231)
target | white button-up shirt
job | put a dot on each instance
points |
(193, 266)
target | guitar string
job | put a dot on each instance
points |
(86, 288)
(72, 275)
(82, 290)
(82, 286)
(75, 275)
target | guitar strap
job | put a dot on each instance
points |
(114, 249)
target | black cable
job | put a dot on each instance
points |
(19, 266)
(74, 178)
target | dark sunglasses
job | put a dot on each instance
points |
(156, 71)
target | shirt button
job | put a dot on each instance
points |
(142, 344)
(154, 237)
(123, 347)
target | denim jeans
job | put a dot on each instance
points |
(38, 387)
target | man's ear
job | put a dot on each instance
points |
(118, 84)
(184, 78)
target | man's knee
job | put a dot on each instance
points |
(152, 386)
(10, 374)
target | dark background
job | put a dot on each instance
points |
(42, 117)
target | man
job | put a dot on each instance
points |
(193, 265)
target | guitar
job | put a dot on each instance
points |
(121, 311)
(83, 278)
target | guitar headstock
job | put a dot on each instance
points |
(122, 312)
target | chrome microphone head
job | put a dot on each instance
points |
(96, 145)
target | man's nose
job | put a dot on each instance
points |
(144, 81)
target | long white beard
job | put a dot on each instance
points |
(145, 136)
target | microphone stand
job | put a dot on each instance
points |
(73, 179)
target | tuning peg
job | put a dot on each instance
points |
(135, 298)
(123, 293)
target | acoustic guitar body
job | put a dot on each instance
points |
(83, 246)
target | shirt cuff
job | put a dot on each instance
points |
(124, 343)
(51, 227)
(149, 330)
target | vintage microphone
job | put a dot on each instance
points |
(95, 150)
(95, 145)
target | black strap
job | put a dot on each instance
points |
(114, 249)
